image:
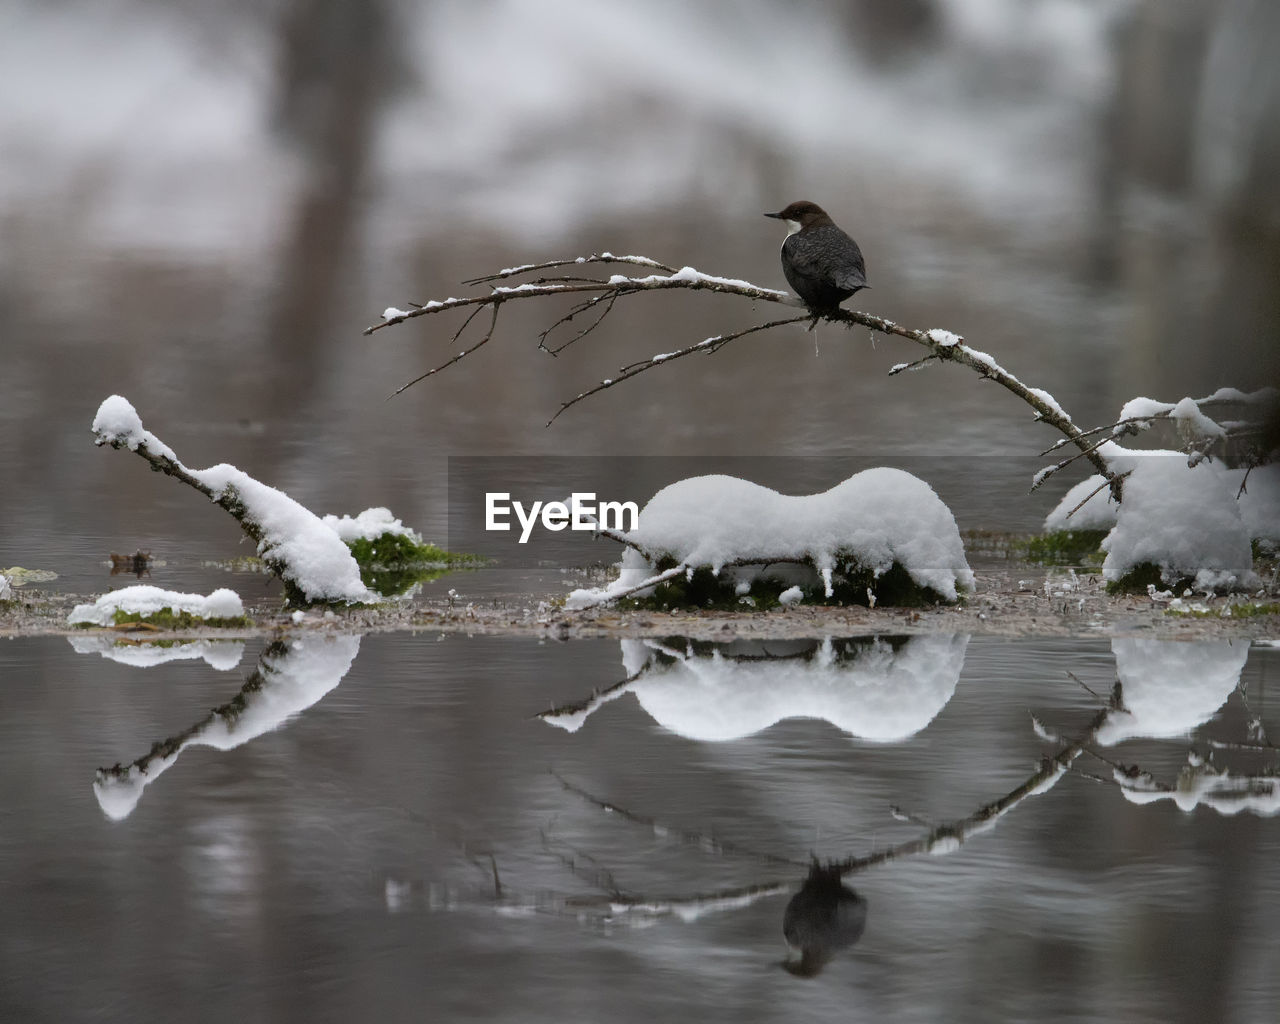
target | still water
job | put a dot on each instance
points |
(417, 826)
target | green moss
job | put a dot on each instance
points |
(167, 618)
(850, 583)
(1243, 610)
(391, 563)
(1253, 609)
(1144, 575)
(1066, 547)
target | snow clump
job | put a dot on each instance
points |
(146, 600)
(875, 518)
(306, 552)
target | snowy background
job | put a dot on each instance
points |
(203, 205)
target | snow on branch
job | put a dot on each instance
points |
(596, 297)
(1197, 431)
(309, 557)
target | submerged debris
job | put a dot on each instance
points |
(138, 563)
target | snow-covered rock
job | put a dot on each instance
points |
(146, 600)
(875, 518)
(1185, 520)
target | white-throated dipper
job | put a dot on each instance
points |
(822, 263)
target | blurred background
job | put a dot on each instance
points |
(202, 206)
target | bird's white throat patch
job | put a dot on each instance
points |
(792, 227)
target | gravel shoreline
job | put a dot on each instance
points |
(1012, 599)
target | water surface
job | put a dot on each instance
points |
(379, 826)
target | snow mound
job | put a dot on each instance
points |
(867, 688)
(306, 552)
(146, 600)
(1098, 513)
(1259, 504)
(1170, 687)
(876, 518)
(370, 524)
(1186, 520)
(1183, 519)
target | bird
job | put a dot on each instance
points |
(824, 917)
(822, 263)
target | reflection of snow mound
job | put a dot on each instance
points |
(284, 686)
(1171, 686)
(867, 689)
(223, 655)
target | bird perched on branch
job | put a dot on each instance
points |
(822, 263)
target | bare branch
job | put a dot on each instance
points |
(1105, 483)
(652, 581)
(530, 268)
(942, 345)
(493, 322)
(1084, 453)
(706, 346)
(688, 836)
(581, 307)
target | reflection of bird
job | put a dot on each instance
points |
(822, 263)
(823, 918)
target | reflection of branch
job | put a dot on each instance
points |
(944, 838)
(1201, 783)
(688, 836)
(289, 678)
(942, 345)
(950, 835)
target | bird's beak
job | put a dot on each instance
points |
(775, 216)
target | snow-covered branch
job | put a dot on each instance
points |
(1198, 433)
(602, 293)
(309, 557)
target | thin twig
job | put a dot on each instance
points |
(1105, 483)
(493, 322)
(1088, 689)
(652, 581)
(688, 836)
(903, 367)
(580, 308)
(707, 345)
(530, 268)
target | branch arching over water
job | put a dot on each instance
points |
(602, 293)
